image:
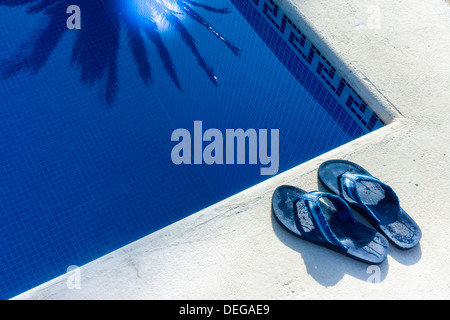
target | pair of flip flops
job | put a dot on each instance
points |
(333, 225)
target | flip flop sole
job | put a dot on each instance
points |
(364, 244)
(401, 230)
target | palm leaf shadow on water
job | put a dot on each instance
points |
(95, 51)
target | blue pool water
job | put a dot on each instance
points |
(86, 164)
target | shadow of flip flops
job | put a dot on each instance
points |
(326, 266)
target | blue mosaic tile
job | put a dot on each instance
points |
(309, 56)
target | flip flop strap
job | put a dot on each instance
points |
(349, 191)
(318, 218)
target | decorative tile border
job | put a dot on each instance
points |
(310, 56)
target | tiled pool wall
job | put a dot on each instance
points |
(304, 60)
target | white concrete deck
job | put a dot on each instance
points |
(236, 250)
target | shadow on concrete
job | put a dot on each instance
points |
(326, 266)
(406, 257)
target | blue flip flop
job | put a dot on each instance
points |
(374, 200)
(332, 226)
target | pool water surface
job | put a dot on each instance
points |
(87, 128)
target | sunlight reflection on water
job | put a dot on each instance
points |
(157, 11)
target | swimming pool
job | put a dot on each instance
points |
(87, 169)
